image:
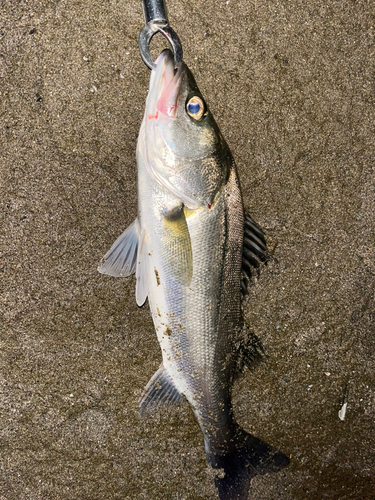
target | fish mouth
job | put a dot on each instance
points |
(165, 84)
(156, 141)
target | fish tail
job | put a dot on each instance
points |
(246, 457)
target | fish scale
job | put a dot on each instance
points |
(186, 247)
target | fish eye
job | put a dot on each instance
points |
(196, 108)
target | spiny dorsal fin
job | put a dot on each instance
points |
(159, 390)
(254, 251)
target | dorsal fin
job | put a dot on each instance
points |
(254, 251)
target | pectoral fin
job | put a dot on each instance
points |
(142, 271)
(176, 245)
(120, 260)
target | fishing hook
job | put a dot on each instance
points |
(156, 21)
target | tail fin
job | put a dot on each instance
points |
(247, 457)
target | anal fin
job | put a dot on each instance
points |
(159, 390)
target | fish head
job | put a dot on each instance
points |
(179, 140)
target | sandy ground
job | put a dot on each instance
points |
(291, 84)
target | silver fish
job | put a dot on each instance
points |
(186, 248)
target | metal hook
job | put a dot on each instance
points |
(156, 20)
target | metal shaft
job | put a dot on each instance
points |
(155, 12)
(156, 21)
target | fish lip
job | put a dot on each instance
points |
(167, 82)
(161, 107)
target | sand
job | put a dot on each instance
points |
(291, 85)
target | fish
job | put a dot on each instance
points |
(192, 247)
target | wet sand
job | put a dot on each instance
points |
(291, 85)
